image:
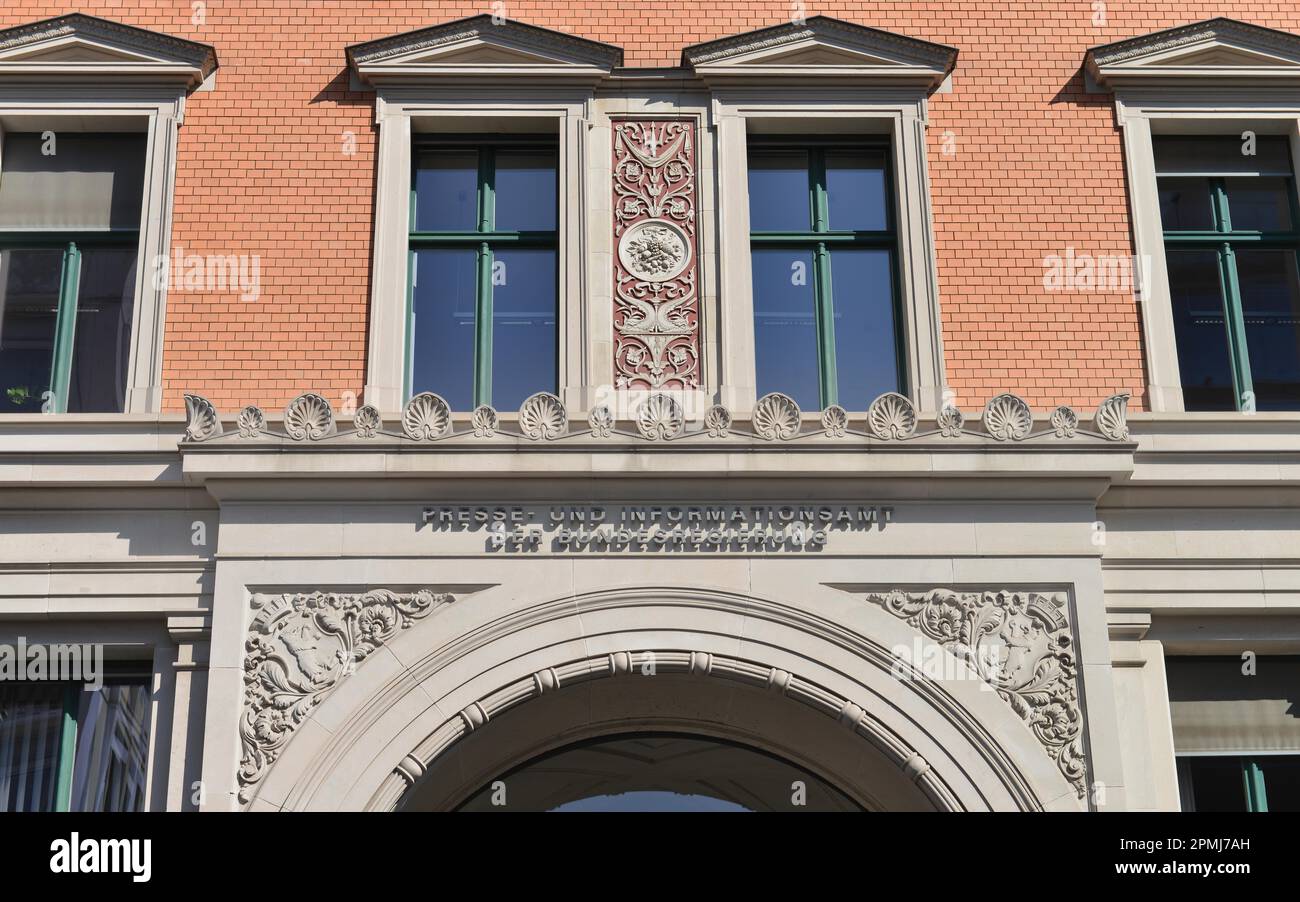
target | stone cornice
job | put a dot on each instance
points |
(180, 52)
(860, 37)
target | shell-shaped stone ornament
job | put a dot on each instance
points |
(835, 421)
(308, 417)
(1112, 417)
(776, 416)
(542, 416)
(601, 421)
(1065, 422)
(891, 417)
(950, 422)
(717, 420)
(251, 422)
(485, 421)
(367, 421)
(1007, 418)
(202, 422)
(660, 417)
(427, 417)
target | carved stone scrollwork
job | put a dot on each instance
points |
(950, 422)
(308, 417)
(1007, 418)
(891, 416)
(1065, 422)
(1019, 643)
(427, 417)
(543, 416)
(656, 300)
(776, 416)
(251, 422)
(835, 421)
(367, 421)
(717, 419)
(601, 421)
(485, 421)
(660, 417)
(202, 422)
(1112, 417)
(298, 648)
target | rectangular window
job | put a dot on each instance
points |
(824, 271)
(69, 236)
(65, 749)
(1230, 226)
(1236, 733)
(483, 271)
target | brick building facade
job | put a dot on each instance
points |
(1027, 412)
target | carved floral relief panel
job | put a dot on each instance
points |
(656, 260)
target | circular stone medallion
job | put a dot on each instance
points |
(654, 250)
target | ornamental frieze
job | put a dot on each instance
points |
(659, 417)
(298, 648)
(656, 260)
(1020, 644)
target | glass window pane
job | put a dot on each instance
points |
(855, 184)
(1281, 781)
(71, 181)
(523, 325)
(866, 348)
(442, 324)
(29, 303)
(1200, 330)
(1270, 301)
(111, 763)
(525, 191)
(779, 199)
(1217, 784)
(31, 728)
(785, 325)
(446, 191)
(1221, 155)
(1185, 205)
(102, 341)
(1259, 204)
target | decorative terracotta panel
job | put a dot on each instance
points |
(656, 259)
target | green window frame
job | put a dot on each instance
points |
(1226, 242)
(822, 240)
(75, 719)
(65, 322)
(484, 238)
(1252, 769)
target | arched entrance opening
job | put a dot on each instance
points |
(658, 772)
(687, 739)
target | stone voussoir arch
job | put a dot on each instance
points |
(955, 740)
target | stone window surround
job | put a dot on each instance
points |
(1142, 112)
(899, 113)
(401, 112)
(728, 353)
(158, 116)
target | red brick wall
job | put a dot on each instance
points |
(1037, 168)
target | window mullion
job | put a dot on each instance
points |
(67, 750)
(483, 294)
(822, 301)
(1253, 776)
(65, 328)
(1234, 318)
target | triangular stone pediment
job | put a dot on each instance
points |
(481, 46)
(83, 46)
(1213, 51)
(822, 47)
